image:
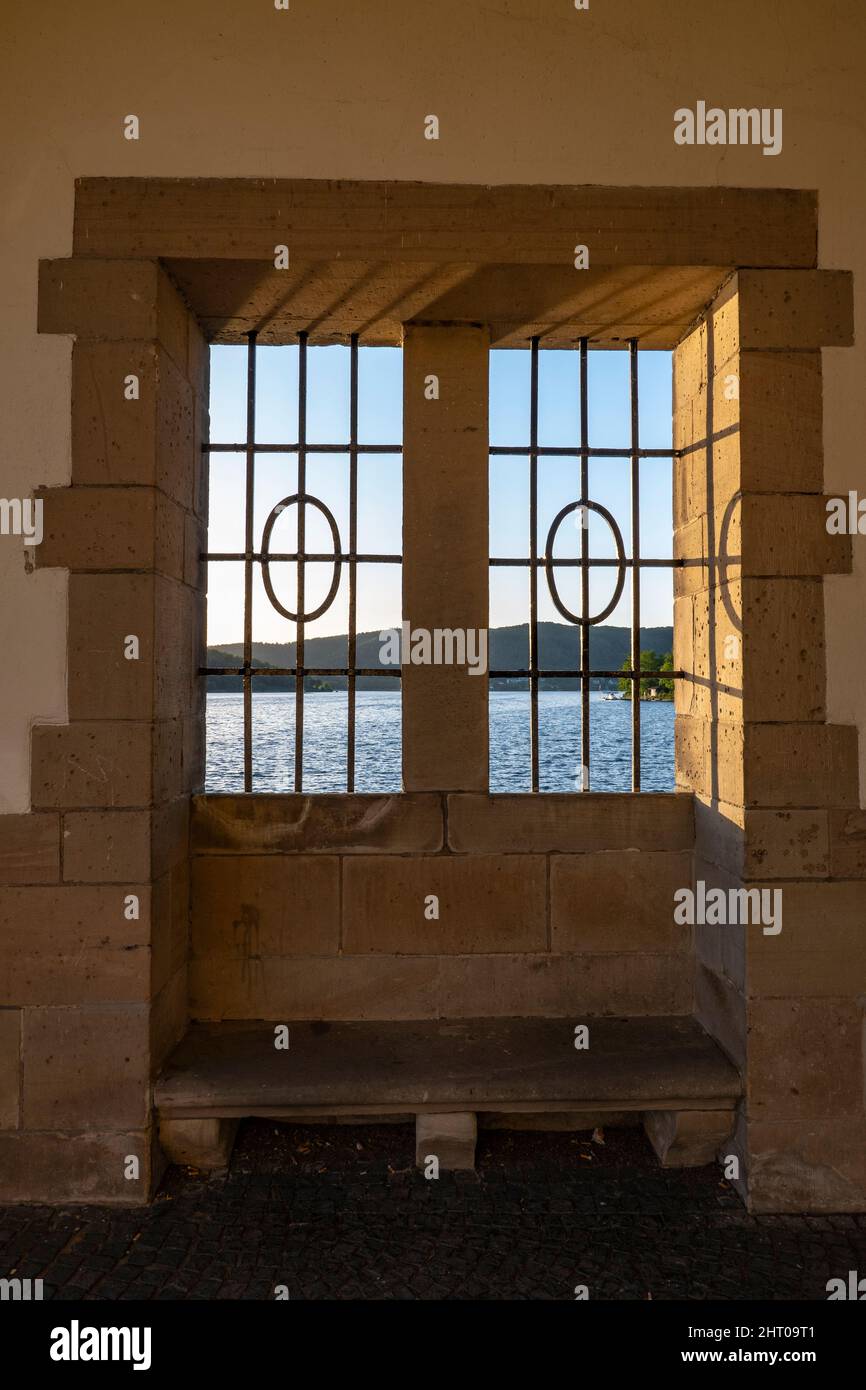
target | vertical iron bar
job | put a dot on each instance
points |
(249, 546)
(302, 545)
(533, 567)
(353, 548)
(635, 573)
(584, 569)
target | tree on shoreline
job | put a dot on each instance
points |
(650, 661)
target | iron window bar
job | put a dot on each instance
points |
(351, 557)
(262, 555)
(635, 563)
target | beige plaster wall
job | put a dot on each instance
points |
(525, 90)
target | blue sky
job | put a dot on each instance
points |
(380, 481)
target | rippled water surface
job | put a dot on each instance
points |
(378, 727)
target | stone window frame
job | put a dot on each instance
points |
(729, 278)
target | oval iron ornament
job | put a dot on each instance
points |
(549, 561)
(266, 560)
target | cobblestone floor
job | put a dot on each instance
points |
(341, 1213)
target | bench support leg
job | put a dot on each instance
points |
(198, 1143)
(448, 1138)
(687, 1138)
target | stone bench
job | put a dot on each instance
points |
(667, 1070)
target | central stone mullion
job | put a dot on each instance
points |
(445, 558)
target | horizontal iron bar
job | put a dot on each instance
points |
(209, 448)
(328, 557)
(563, 451)
(578, 563)
(325, 557)
(578, 675)
(294, 671)
(497, 450)
(385, 671)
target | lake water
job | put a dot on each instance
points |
(378, 726)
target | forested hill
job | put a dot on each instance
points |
(558, 643)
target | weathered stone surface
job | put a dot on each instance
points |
(178, 616)
(106, 846)
(199, 1143)
(720, 834)
(486, 903)
(724, 759)
(691, 470)
(30, 848)
(456, 986)
(234, 1069)
(445, 548)
(76, 1167)
(449, 1138)
(170, 835)
(353, 824)
(112, 529)
(786, 844)
(783, 664)
(197, 359)
(310, 987)
(685, 657)
(169, 538)
(559, 1121)
(86, 1068)
(847, 843)
(194, 754)
(258, 906)
(94, 299)
(113, 438)
(201, 476)
(805, 1059)
(689, 368)
(169, 760)
(791, 1170)
(780, 436)
(799, 765)
(98, 528)
(174, 459)
(618, 901)
(691, 546)
(781, 309)
(821, 949)
(170, 925)
(552, 985)
(93, 764)
(720, 652)
(10, 1068)
(194, 547)
(687, 1138)
(419, 222)
(721, 946)
(785, 535)
(721, 1008)
(74, 944)
(104, 611)
(508, 823)
(169, 1016)
(689, 738)
(758, 429)
(113, 300)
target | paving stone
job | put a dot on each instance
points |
(542, 1213)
